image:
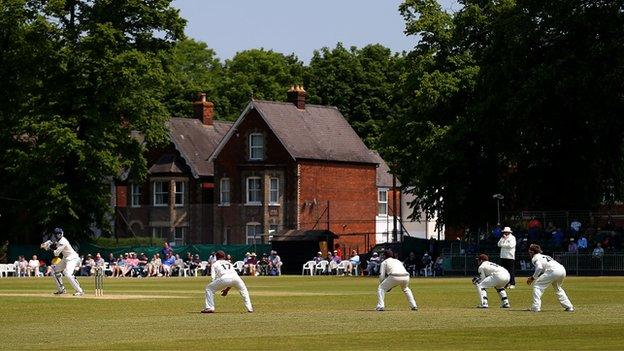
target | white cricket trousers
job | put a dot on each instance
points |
(222, 283)
(497, 281)
(67, 266)
(389, 283)
(554, 277)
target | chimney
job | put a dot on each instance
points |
(204, 110)
(297, 95)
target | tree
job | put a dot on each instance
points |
(258, 74)
(77, 77)
(515, 97)
(360, 82)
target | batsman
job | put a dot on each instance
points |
(60, 245)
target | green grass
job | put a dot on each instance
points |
(306, 313)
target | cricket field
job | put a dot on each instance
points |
(306, 313)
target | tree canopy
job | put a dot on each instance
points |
(521, 98)
(77, 77)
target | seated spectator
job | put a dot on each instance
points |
(87, 266)
(98, 262)
(250, 265)
(598, 251)
(264, 265)
(582, 244)
(198, 263)
(354, 262)
(167, 263)
(112, 262)
(275, 263)
(318, 258)
(153, 267)
(438, 266)
(333, 262)
(119, 267)
(21, 267)
(141, 269)
(33, 267)
(427, 264)
(178, 266)
(411, 264)
(373, 264)
(132, 263)
(190, 264)
(572, 246)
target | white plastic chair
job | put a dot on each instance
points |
(321, 267)
(3, 270)
(427, 270)
(10, 268)
(308, 266)
(342, 267)
(239, 266)
(202, 267)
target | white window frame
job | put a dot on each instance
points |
(256, 151)
(179, 193)
(274, 191)
(381, 202)
(135, 195)
(160, 193)
(248, 191)
(224, 191)
(253, 233)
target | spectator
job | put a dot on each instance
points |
(166, 249)
(140, 269)
(250, 264)
(535, 226)
(153, 268)
(572, 246)
(276, 263)
(557, 238)
(132, 263)
(198, 264)
(190, 264)
(228, 258)
(263, 265)
(318, 258)
(582, 244)
(497, 232)
(598, 251)
(372, 266)
(426, 260)
(33, 266)
(438, 266)
(333, 262)
(338, 250)
(354, 262)
(112, 262)
(21, 266)
(575, 226)
(178, 266)
(167, 263)
(99, 262)
(411, 264)
(87, 266)
(119, 267)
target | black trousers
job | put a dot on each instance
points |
(509, 265)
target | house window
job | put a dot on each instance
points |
(254, 233)
(161, 193)
(135, 195)
(160, 233)
(180, 187)
(225, 191)
(274, 191)
(256, 146)
(178, 235)
(254, 190)
(382, 200)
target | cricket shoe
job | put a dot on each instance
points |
(415, 308)
(59, 292)
(250, 311)
(569, 309)
(379, 309)
(505, 305)
(207, 310)
(511, 286)
(483, 306)
(532, 310)
(79, 293)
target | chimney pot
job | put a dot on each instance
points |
(204, 110)
(297, 95)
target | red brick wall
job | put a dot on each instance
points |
(352, 195)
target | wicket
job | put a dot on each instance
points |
(99, 281)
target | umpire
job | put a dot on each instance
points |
(507, 243)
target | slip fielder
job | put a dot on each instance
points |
(491, 275)
(224, 277)
(393, 273)
(547, 272)
(59, 244)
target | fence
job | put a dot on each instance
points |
(575, 264)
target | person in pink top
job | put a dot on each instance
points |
(132, 262)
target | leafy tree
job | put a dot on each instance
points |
(360, 82)
(257, 73)
(518, 97)
(194, 68)
(77, 77)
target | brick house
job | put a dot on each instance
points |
(288, 165)
(176, 201)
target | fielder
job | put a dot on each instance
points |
(547, 271)
(491, 275)
(224, 277)
(59, 244)
(393, 273)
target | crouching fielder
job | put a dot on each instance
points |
(491, 275)
(547, 272)
(60, 245)
(393, 273)
(224, 277)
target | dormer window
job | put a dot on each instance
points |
(256, 146)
